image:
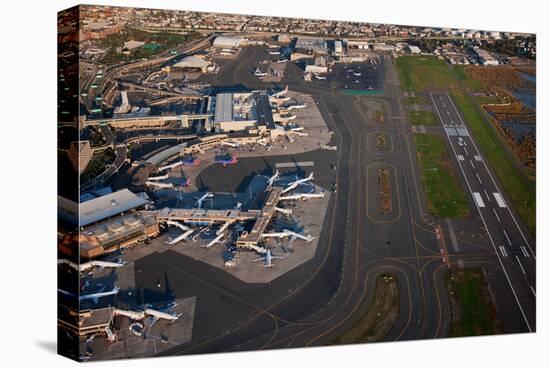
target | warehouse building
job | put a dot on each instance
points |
(229, 42)
(316, 45)
(191, 63)
(319, 65)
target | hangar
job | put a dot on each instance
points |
(192, 63)
(228, 42)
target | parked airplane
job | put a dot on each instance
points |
(181, 237)
(157, 178)
(214, 241)
(280, 93)
(231, 144)
(268, 259)
(272, 179)
(185, 183)
(226, 159)
(160, 185)
(302, 196)
(293, 185)
(190, 161)
(96, 296)
(258, 73)
(202, 198)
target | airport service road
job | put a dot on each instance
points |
(514, 251)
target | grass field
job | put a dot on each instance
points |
(380, 316)
(420, 72)
(516, 185)
(473, 312)
(415, 100)
(422, 118)
(445, 196)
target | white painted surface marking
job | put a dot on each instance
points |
(503, 251)
(478, 199)
(496, 215)
(499, 199)
(507, 238)
(520, 265)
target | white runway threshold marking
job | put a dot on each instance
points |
(499, 199)
(478, 199)
(294, 164)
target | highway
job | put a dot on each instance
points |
(511, 246)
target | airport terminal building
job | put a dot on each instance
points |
(110, 222)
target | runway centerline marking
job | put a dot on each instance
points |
(520, 265)
(507, 238)
(496, 215)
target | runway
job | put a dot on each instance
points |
(512, 248)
